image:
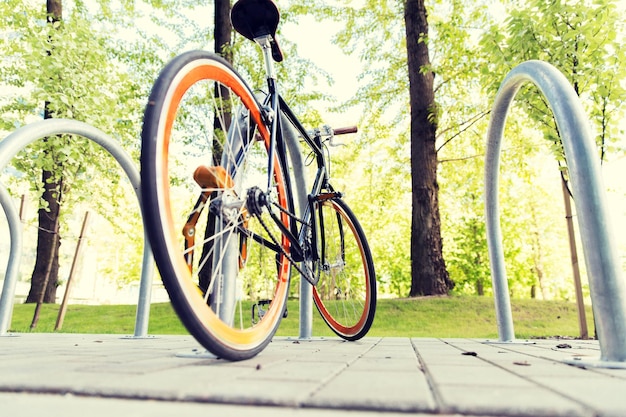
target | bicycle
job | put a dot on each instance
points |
(230, 286)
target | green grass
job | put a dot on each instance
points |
(420, 317)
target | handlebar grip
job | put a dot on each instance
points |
(345, 130)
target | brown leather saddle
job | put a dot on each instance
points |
(255, 18)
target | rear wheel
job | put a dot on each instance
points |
(204, 162)
(345, 294)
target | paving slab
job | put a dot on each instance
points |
(327, 377)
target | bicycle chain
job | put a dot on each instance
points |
(288, 213)
(306, 275)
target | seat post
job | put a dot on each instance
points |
(265, 42)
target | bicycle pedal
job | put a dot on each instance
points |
(260, 311)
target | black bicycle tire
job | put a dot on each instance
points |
(370, 277)
(152, 218)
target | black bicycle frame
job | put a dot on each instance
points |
(297, 236)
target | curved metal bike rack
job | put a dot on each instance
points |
(21, 138)
(607, 287)
(306, 289)
(15, 253)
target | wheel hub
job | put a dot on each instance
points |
(256, 200)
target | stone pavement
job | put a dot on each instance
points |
(107, 375)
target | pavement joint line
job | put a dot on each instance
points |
(334, 375)
(54, 392)
(437, 397)
(584, 406)
(541, 349)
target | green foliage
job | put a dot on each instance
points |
(581, 38)
(72, 68)
(564, 34)
(373, 168)
(472, 317)
(79, 70)
(88, 72)
(376, 169)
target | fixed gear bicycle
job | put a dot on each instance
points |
(218, 202)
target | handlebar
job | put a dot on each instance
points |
(330, 133)
(345, 130)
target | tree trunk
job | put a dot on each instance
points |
(580, 302)
(429, 275)
(223, 30)
(46, 271)
(537, 256)
(222, 44)
(48, 240)
(223, 37)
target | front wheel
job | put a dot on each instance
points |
(204, 148)
(345, 294)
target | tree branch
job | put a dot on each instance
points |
(468, 124)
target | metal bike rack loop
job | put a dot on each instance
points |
(306, 289)
(15, 254)
(21, 138)
(607, 287)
